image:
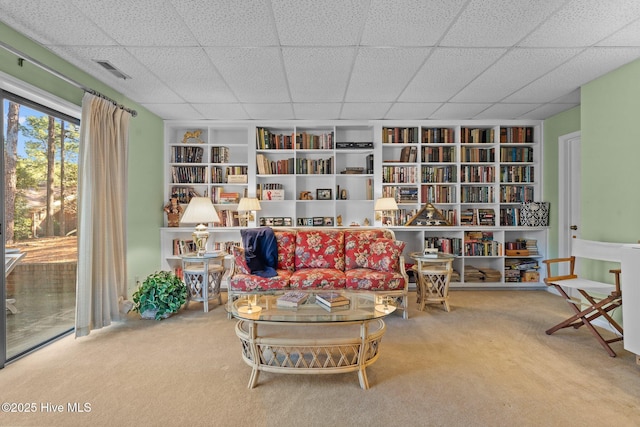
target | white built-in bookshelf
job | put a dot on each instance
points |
(313, 173)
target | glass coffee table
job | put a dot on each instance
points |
(311, 339)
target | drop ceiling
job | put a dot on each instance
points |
(340, 59)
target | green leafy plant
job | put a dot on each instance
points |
(162, 292)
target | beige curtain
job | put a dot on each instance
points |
(102, 194)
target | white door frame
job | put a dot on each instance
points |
(569, 179)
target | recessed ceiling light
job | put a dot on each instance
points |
(112, 69)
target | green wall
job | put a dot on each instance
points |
(145, 200)
(554, 127)
(610, 153)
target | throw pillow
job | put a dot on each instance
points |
(384, 254)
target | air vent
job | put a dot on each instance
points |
(113, 70)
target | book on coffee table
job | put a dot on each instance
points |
(332, 299)
(332, 309)
(292, 299)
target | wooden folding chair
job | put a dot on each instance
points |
(593, 307)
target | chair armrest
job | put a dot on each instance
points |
(550, 262)
(616, 273)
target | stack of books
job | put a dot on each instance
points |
(332, 300)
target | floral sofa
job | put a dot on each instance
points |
(368, 259)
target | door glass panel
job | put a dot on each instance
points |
(41, 165)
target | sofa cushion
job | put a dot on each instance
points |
(286, 249)
(317, 278)
(384, 254)
(319, 249)
(373, 280)
(243, 282)
(356, 246)
(240, 260)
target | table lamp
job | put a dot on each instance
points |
(385, 205)
(200, 211)
(247, 205)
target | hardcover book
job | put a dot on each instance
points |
(292, 299)
(332, 299)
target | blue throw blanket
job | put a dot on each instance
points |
(260, 250)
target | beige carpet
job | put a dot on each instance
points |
(486, 363)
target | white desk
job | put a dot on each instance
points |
(630, 287)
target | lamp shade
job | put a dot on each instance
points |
(200, 210)
(249, 204)
(386, 204)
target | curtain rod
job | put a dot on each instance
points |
(22, 56)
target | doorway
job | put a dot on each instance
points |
(569, 192)
(39, 212)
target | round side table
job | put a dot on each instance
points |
(202, 275)
(433, 277)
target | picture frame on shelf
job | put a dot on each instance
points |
(288, 222)
(323, 194)
(317, 221)
(328, 221)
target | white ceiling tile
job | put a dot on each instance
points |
(171, 64)
(547, 110)
(583, 68)
(583, 23)
(319, 23)
(221, 111)
(364, 111)
(138, 23)
(458, 111)
(229, 22)
(318, 74)
(253, 74)
(512, 72)
(628, 36)
(408, 22)
(143, 86)
(446, 72)
(505, 111)
(317, 111)
(380, 74)
(37, 21)
(174, 111)
(495, 23)
(270, 111)
(411, 110)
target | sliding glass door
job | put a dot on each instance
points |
(39, 225)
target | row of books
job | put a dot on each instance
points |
(408, 154)
(438, 154)
(517, 173)
(516, 154)
(477, 194)
(266, 140)
(477, 155)
(401, 194)
(448, 245)
(188, 174)
(186, 154)
(399, 174)
(438, 193)
(219, 154)
(184, 194)
(438, 174)
(516, 194)
(308, 141)
(477, 136)
(438, 136)
(274, 167)
(181, 247)
(516, 134)
(400, 135)
(315, 166)
(478, 216)
(481, 274)
(221, 175)
(479, 174)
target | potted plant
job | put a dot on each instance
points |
(159, 296)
